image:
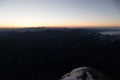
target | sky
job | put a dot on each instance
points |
(59, 13)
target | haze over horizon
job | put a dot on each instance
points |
(60, 13)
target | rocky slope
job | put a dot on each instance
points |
(84, 73)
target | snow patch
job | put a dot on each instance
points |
(84, 73)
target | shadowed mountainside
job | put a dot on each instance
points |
(47, 54)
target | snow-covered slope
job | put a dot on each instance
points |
(84, 73)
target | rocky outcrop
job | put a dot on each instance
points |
(84, 73)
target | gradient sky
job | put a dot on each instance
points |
(24, 13)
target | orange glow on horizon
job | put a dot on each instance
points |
(67, 25)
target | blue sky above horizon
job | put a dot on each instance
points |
(26, 13)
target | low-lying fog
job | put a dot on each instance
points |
(110, 32)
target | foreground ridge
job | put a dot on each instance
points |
(84, 73)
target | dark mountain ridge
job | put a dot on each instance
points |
(50, 53)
